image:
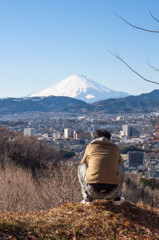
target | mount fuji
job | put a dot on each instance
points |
(79, 87)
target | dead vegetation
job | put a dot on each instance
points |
(20, 191)
(101, 220)
(52, 181)
(44, 203)
(135, 192)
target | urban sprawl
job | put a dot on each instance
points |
(137, 135)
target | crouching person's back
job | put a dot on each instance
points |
(101, 172)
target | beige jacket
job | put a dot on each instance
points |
(102, 158)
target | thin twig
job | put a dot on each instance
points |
(154, 68)
(153, 16)
(134, 26)
(118, 57)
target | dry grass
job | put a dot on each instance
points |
(100, 220)
(134, 191)
(17, 189)
(21, 192)
(59, 186)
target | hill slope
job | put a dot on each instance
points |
(142, 103)
(100, 220)
(42, 104)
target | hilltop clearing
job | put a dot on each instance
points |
(100, 220)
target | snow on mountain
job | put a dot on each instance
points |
(79, 87)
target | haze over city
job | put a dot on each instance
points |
(44, 42)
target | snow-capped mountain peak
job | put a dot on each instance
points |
(79, 87)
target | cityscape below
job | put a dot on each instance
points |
(136, 135)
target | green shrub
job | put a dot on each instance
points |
(67, 154)
(151, 183)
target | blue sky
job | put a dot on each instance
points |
(44, 41)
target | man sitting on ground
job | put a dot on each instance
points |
(101, 172)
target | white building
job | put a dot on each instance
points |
(136, 130)
(29, 132)
(67, 133)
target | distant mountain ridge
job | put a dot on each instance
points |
(82, 88)
(141, 103)
(132, 104)
(41, 104)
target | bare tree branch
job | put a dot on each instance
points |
(154, 68)
(157, 20)
(134, 26)
(118, 57)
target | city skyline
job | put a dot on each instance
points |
(43, 43)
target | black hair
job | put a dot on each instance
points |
(102, 133)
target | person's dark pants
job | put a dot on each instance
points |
(100, 191)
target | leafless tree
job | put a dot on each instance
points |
(116, 54)
(26, 151)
